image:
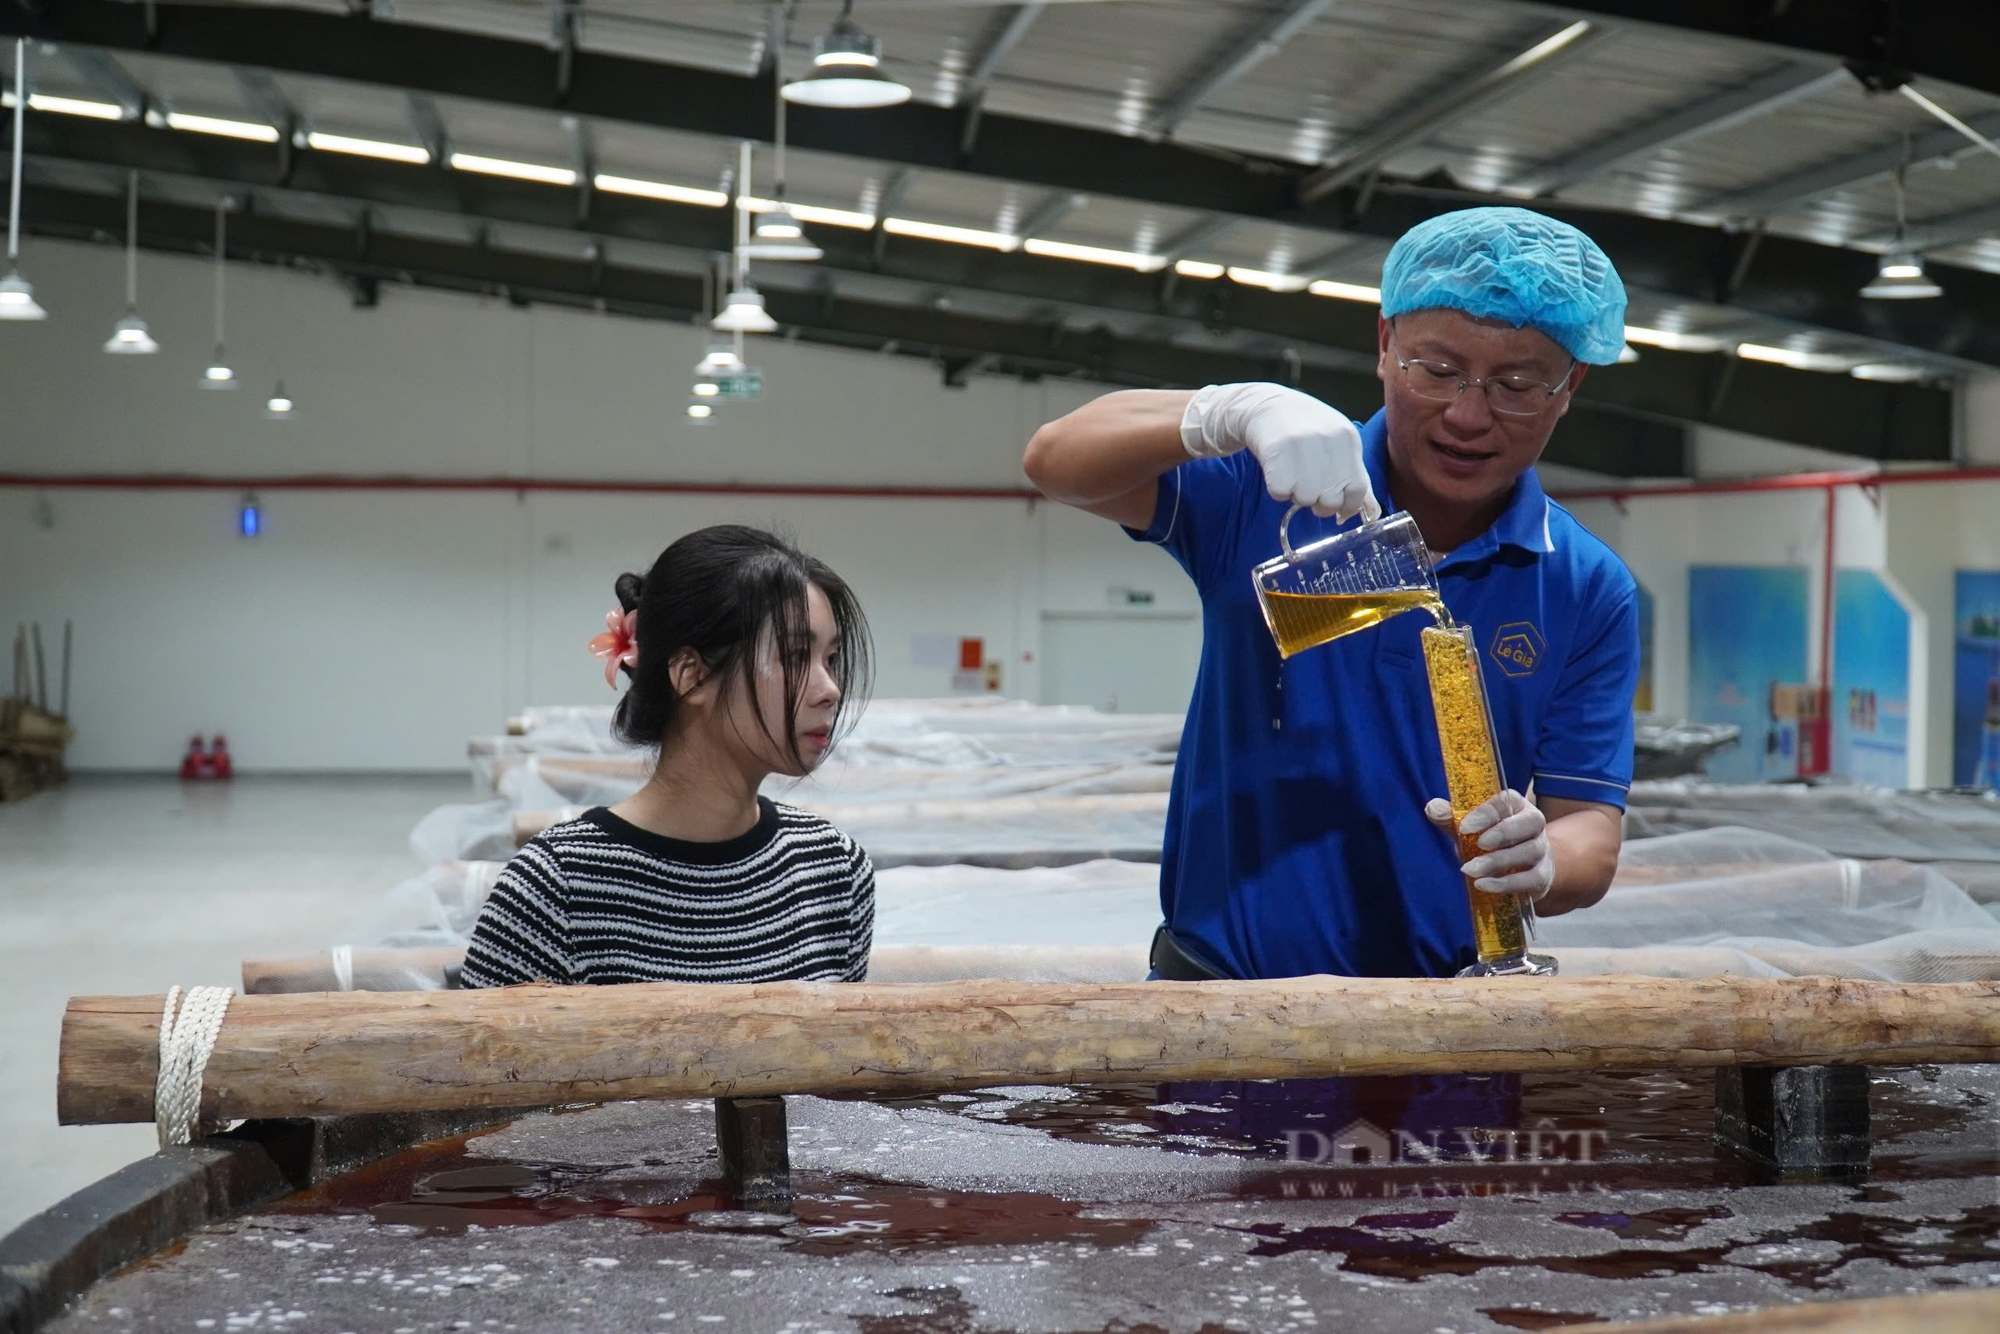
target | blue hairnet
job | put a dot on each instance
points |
(1510, 264)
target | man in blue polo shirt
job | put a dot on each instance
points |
(1306, 831)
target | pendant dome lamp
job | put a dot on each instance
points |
(846, 71)
(130, 336)
(1900, 276)
(279, 407)
(743, 309)
(17, 294)
(778, 234)
(218, 374)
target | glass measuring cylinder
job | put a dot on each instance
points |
(1347, 582)
(1500, 922)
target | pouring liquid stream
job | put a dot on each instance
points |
(1356, 580)
(1300, 621)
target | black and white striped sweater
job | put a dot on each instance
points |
(597, 899)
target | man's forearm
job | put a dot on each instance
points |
(1585, 841)
(1108, 447)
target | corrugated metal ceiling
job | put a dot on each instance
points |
(1113, 64)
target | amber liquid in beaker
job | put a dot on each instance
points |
(1472, 773)
(1300, 621)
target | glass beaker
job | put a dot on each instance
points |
(1345, 583)
(1501, 923)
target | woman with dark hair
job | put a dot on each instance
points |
(745, 656)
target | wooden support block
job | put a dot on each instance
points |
(1802, 1123)
(756, 1155)
(322, 1053)
(1925, 1313)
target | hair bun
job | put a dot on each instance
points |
(629, 588)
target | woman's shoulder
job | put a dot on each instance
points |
(799, 823)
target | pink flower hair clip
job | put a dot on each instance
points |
(618, 645)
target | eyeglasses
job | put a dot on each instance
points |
(1508, 395)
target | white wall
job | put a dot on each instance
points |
(379, 629)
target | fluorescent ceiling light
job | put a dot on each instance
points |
(1197, 268)
(1090, 254)
(1672, 341)
(227, 129)
(743, 312)
(937, 231)
(68, 106)
(17, 298)
(1276, 282)
(1627, 355)
(520, 171)
(131, 338)
(1793, 357)
(673, 194)
(1346, 291)
(700, 411)
(831, 217)
(1888, 372)
(376, 148)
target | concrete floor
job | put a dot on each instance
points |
(127, 885)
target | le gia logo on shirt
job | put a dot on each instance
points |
(1518, 648)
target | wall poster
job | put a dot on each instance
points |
(1746, 636)
(1871, 680)
(1975, 714)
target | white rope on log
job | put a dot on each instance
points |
(188, 1029)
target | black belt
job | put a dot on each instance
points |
(1174, 963)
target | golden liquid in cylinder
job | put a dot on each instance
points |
(1300, 621)
(1472, 773)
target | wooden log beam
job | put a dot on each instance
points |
(1926, 1313)
(314, 1054)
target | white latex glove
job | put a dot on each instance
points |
(1311, 455)
(1515, 857)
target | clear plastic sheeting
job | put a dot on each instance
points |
(1724, 901)
(988, 730)
(1664, 747)
(346, 968)
(1013, 963)
(1102, 904)
(1014, 832)
(841, 782)
(1739, 900)
(979, 732)
(550, 720)
(435, 909)
(466, 831)
(983, 780)
(1956, 833)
